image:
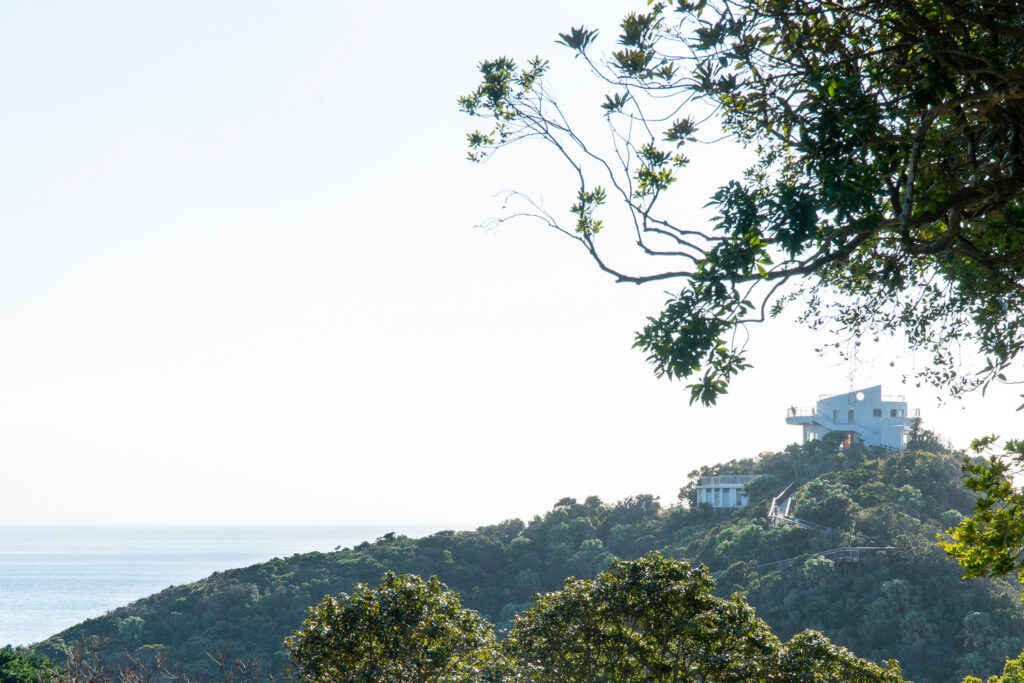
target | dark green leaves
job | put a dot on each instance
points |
(615, 102)
(640, 30)
(404, 630)
(681, 131)
(649, 620)
(586, 203)
(689, 336)
(652, 619)
(21, 665)
(991, 541)
(502, 88)
(577, 38)
(887, 186)
(634, 63)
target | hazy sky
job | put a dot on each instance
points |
(240, 281)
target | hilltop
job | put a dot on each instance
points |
(908, 603)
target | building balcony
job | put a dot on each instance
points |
(727, 479)
(801, 412)
(809, 416)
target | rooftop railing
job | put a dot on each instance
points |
(793, 411)
(725, 479)
(899, 420)
(890, 398)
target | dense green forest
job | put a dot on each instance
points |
(909, 604)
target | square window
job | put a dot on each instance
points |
(877, 412)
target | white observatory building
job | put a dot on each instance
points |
(864, 417)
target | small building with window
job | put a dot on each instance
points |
(724, 490)
(864, 417)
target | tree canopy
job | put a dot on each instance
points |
(22, 666)
(650, 620)
(1013, 672)
(991, 541)
(406, 630)
(655, 619)
(886, 195)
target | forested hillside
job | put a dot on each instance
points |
(909, 604)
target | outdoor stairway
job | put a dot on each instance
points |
(780, 513)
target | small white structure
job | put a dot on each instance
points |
(864, 417)
(724, 490)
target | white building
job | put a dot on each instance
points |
(724, 490)
(865, 417)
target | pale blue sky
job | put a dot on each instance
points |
(240, 281)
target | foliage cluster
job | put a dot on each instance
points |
(406, 629)
(651, 619)
(991, 541)
(88, 660)
(886, 185)
(1013, 672)
(19, 665)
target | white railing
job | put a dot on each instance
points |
(890, 398)
(725, 479)
(776, 514)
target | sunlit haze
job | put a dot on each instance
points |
(241, 281)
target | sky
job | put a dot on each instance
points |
(242, 281)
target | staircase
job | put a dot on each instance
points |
(780, 513)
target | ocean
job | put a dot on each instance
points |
(53, 577)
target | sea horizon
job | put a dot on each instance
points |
(53, 576)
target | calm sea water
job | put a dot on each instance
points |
(54, 577)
